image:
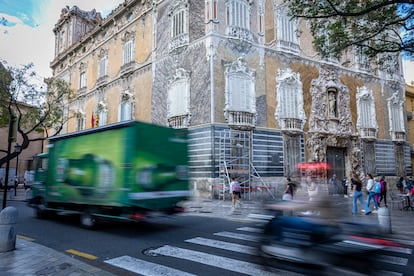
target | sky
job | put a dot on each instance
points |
(26, 31)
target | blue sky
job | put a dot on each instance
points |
(26, 29)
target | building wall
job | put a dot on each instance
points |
(205, 56)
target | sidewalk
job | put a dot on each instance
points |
(31, 258)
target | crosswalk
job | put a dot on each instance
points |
(218, 252)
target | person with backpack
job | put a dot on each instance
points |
(371, 191)
(235, 191)
(409, 184)
(383, 194)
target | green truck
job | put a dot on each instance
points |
(125, 171)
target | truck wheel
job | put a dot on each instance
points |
(87, 221)
(41, 212)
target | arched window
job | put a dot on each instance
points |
(289, 113)
(286, 28)
(126, 106)
(366, 122)
(240, 105)
(179, 99)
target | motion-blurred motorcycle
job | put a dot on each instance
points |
(319, 246)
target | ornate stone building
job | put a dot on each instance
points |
(244, 79)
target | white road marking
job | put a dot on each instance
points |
(224, 245)
(219, 261)
(145, 268)
(238, 236)
(250, 229)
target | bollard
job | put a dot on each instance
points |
(8, 219)
(384, 219)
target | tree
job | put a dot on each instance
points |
(375, 26)
(36, 109)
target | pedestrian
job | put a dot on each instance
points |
(333, 185)
(400, 185)
(290, 189)
(371, 191)
(383, 195)
(235, 191)
(408, 184)
(345, 186)
(357, 195)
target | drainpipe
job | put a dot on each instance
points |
(212, 82)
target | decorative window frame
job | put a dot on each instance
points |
(102, 63)
(179, 14)
(286, 29)
(290, 112)
(128, 48)
(80, 119)
(101, 114)
(179, 91)
(361, 59)
(238, 15)
(366, 122)
(211, 10)
(396, 117)
(82, 77)
(238, 74)
(126, 101)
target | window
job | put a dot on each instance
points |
(82, 80)
(366, 122)
(362, 60)
(396, 113)
(179, 99)
(179, 24)
(80, 121)
(211, 10)
(238, 13)
(286, 30)
(103, 63)
(240, 105)
(127, 52)
(290, 112)
(126, 107)
(101, 114)
(82, 75)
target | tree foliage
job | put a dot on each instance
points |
(377, 26)
(37, 106)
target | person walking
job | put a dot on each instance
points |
(235, 191)
(400, 185)
(357, 195)
(383, 194)
(371, 191)
(408, 184)
(290, 189)
(333, 185)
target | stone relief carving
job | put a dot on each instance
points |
(330, 122)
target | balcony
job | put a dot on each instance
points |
(398, 136)
(288, 46)
(127, 67)
(291, 125)
(368, 134)
(179, 41)
(101, 81)
(180, 121)
(239, 33)
(241, 120)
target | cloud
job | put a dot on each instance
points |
(31, 38)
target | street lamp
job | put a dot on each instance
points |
(18, 149)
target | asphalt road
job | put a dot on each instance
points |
(207, 246)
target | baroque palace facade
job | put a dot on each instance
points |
(244, 79)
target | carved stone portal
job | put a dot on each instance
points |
(330, 122)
